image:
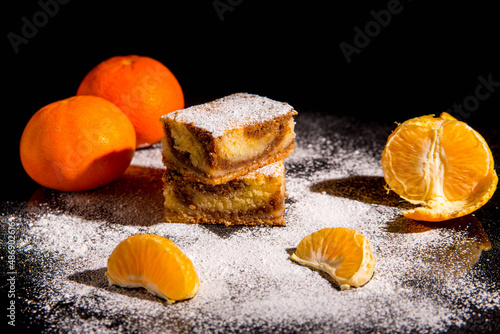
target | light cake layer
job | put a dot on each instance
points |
(221, 140)
(257, 198)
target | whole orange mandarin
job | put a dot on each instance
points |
(142, 87)
(79, 143)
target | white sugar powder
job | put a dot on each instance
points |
(248, 282)
(274, 170)
(230, 112)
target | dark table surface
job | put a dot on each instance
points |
(428, 277)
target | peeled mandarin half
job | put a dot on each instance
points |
(342, 253)
(154, 263)
(441, 164)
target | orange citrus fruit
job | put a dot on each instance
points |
(441, 164)
(155, 263)
(79, 143)
(142, 87)
(341, 252)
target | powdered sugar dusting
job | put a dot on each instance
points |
(274, 169)
(231, 112)
(428, 278)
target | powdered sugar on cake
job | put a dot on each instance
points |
(274, 170)
(231, 112)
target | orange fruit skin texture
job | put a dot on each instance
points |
(441, 164)
(155, 263)
(80, 143)
(142, 87)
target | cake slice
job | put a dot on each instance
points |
(224, 139)
(257, 198)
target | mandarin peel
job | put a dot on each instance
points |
(142, 87)
(79, 143)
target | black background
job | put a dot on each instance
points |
(426, 59)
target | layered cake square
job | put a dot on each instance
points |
(219, 141)
(257, 198)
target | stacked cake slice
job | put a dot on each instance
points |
(224, 161)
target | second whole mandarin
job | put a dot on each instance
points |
(142, 87)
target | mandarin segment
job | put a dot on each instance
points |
(440, 163)
(412, 140)
(467, 167)
(342, 253)
(154, 263)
